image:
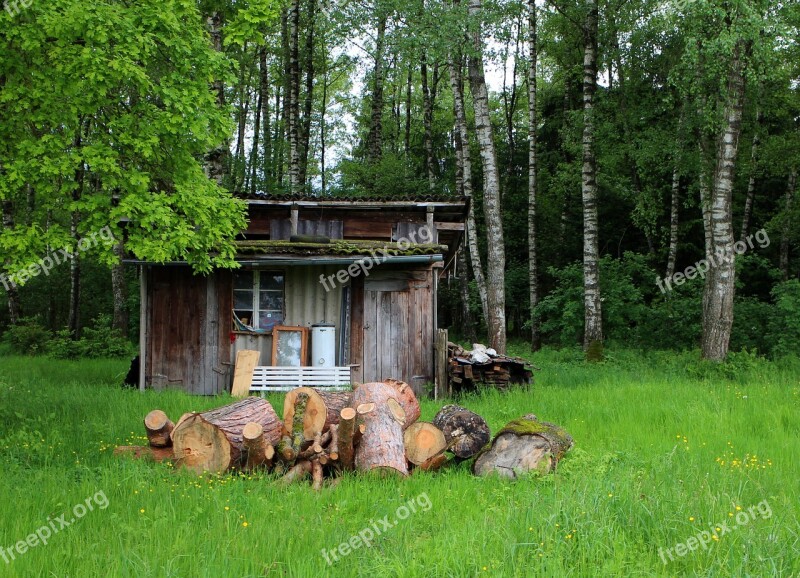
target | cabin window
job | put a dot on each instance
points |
(258, 298)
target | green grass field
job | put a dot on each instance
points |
(665, 449)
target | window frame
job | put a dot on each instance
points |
(255, 288)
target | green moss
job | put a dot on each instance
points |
(337, 247)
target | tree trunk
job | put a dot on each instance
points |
(465, 432)
(533, 121)
(11, 288)
(381, 446)
(496, 257)
(787, 225)
(673, 220)
(216, 159)
(74, 319)
(720, 287)
(524, 445)
(462, 137)
(751, 183)
(375, 138)
(293, 22)
(593, 322)
(212, 441)
(427, 121)
(322, 409)
(254, 150)
(308, 104)
(263, 87)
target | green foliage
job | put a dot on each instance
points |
(784, 327)
(28, 337)
(97, 341)
(391, 176)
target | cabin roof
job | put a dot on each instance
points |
(337, 247)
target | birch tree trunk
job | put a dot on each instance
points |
(720, 287)
(533, 121)
(491, 190)
(263, 88)
(10, 287)
(308, 104)
(787, 225)
(462, 140)
(673, 220)
(593, 320)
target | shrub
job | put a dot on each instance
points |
(28, 337)
(784, 327)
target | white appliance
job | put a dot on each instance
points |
(323, 345)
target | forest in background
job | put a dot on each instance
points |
(629, 141)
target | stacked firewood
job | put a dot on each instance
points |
(374, 428)
(483, 365)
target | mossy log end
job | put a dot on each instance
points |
(465, 431)
(523, 445)
(322, 409)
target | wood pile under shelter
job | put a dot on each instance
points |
(482, 365)
(374, 428)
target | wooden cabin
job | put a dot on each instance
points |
(365, 270)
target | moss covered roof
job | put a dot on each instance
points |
(337, 247)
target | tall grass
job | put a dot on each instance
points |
(665, 447)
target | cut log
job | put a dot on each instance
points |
(316, 476)
(259, 452)
(145, 452)
(433, 463)
(347, 424)
(381, 445)
(422, 441)
(158, 428)
(333, 447)
(322, 409)
(296, 473)
(212, 441)
(524, 445)
(464, 431)
(298, 424)
(407, 399)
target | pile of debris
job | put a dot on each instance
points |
(323, 433)
(466, 369)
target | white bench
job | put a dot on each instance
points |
(281, 378)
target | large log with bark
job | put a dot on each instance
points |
(465, 432)
(523, 445)
(322, 409)
(213, 441)
(381, 445)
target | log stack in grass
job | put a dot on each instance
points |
(374, 428)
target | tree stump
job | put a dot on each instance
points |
(158, 428)
(464, 431)
(212, 441)
(381, 445)
(423, 440)
(524, 445)
(322, 409)
(407, 399)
